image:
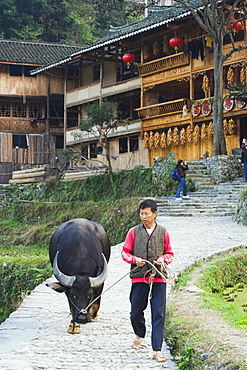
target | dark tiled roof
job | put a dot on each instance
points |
(34, 53)
(157, 17)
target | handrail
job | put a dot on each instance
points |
(171, 61)
(94, 166)
(163, 108)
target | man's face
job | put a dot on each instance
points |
(147, 217)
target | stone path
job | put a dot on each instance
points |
(35, 336)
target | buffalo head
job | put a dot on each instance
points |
(78, 289)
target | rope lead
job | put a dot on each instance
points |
(166, 273)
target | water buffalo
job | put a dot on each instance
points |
(79, 252)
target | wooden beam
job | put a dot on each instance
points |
(130, 44)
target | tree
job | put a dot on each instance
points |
(238, 92)
(216, 18)
(71, 21)
(100, 121)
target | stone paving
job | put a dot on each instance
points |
(35, 336)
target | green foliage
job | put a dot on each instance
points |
(142, 182)
(100, 116)
(228, 271)
(186, 337)
(184, 277)
(186, 360)
(28, 224)
(19, 278)
(182, 341)
(76, 22)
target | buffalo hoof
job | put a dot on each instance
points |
(74, 328)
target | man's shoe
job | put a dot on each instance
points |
(178, 198)
(185, 197)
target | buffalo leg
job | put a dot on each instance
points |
(94, 310)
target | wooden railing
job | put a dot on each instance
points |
(172, 61)
(163, 108)
(58, 122)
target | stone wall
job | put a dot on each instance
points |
(223, 168)
(241, 213)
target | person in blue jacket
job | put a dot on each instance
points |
(182, 186)
(244, 160)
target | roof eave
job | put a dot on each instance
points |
(107, 42)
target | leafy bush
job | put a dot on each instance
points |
(18, 279)
(143, 182)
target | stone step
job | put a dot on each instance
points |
(219, 200)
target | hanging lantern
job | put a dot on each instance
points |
(128, 58)
(234, 25)
(176, 43)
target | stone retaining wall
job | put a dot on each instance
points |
(223, 168)
(241, 213)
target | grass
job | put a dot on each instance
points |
(191, 325)
(229, 271)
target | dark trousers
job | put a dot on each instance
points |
(245, 171)
(182, 186)
(139, 300)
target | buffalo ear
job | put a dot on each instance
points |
(57, 287)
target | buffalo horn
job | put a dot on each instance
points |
(65, 280)
(99, 280)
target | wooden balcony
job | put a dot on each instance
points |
(162, 64)
(161, 109)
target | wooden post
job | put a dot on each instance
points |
(65, 110)
(48, 116)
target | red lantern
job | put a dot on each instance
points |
(128, 58)
(176, 43)
(234, 25)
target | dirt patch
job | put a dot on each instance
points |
(219, 345)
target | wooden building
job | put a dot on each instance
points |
(165, 97)
(31, 107)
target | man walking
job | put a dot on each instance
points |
(148, 242)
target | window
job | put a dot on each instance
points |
(128, 144)
(4, 109)
(70, 72)
(35, 110)
(96, 72)
(15, 70)
(59, 142)
(123, 145)
(27, 70)
(19, 110)
(133, 143)
(84, 150)
(20, 141)
(93, 151)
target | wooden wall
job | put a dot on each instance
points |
(193, 151)
(35, 86)
(6, 170)
(36, 153)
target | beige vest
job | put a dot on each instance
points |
(148, 248)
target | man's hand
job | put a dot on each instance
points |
(140, 262)
(159, 261)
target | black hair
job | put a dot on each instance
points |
(179, 163)
(149, 203)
